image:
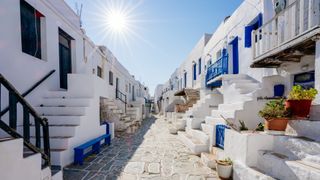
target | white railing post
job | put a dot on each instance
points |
(253, 44)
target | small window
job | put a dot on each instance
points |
(99, 72)
(30, 29)
(110, 78)
(129, 88)
(126, 87)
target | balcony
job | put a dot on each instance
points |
(217, 69)
(288, 36)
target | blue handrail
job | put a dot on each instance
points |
(218, 68)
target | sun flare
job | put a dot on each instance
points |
(117, 21)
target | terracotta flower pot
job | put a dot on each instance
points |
(276, 124)
(299, 108)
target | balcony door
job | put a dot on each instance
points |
(64, 58)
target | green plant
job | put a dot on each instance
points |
(275, 109)
(226, 161)
(243, 126)
(260, 127)
(299, 93)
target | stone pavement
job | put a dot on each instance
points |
(150, 153)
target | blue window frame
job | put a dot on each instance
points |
(235, 55)
(253, 25)
(185, 79)
(199, 64)
(194, 71)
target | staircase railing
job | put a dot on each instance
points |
(123, 98)
(5, 110)
(41, 126)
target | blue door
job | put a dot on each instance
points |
(235, 55)
(220, 129)
(195, 72)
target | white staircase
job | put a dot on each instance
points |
(298, 157)
(197, 134)
(15, 164)
(72, 121)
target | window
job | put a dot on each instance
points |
(129, 88)
(195, 71)
(253, 25)
(199, 62)
(30, 29)
(110, 78)
(126, 87)
(99, 72)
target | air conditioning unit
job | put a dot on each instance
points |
(279, 5)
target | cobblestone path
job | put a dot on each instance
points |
(149, 153)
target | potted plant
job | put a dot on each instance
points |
(276, 115)
(224, 168)
(300, 99)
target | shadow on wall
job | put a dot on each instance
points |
(111, 161)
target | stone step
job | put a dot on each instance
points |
(305, 128)
(194, 123)
(226, 114)
(54, 130)
(249, 86)
(198, 135)
(58, 142)
(117, 111)
(194, 145)
(243, 172)
(208, 160)
(207, 128)
(181, 124)
(58, 156)
(231, 106)
(281, 167)
(65, 120)
(213, 121)
(62, 94)
(71, 111)
(298, 148)
(65, 102)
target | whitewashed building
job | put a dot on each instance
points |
(62, 76)
(262, 44)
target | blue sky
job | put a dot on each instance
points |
(165, 31)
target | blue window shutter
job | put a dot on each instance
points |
(247, 35)
(195, 72)
(199, 66)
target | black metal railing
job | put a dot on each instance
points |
(5, 110)
(123, 98)
(41, 126)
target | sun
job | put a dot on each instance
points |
(117, 21)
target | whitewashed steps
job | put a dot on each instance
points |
(56, 142)
(198, 134)
(231, 106)
(194, 123)
(65, 102)
(54, 130)
(71, 111)
(298, 148)
(194, 145)
(305, 128)
(65, 120)
(243, 172)
(213, 121)
(281, 167)
(208, 160)
(207, 128)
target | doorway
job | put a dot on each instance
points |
(65, 64)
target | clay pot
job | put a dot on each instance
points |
(299, 108)
(224, 170)
(276, 124)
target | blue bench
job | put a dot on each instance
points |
(79, 153)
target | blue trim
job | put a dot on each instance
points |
(199, 62)
(220, 134)
(215, 84)
(253, 25)
(235, 54)
(185, 79)
(195, 72)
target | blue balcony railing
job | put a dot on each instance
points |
(218, 68)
